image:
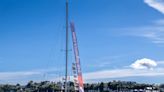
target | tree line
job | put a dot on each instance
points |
(114, 86)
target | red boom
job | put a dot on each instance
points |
(77, 59)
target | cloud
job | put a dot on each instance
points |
(154, 33)
(25, 76)
(122, 73)
(156, 4)
(37, 75)
(117, 73)
(160, 62)
(140, 68)
(144, 64)
(16, 75)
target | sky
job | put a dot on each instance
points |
(118, 40)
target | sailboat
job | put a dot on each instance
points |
(76, 53)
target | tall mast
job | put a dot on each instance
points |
(66, 54)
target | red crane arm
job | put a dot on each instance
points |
(77, 58)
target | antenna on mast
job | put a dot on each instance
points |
(66, 54)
